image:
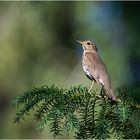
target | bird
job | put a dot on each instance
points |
(95, 68)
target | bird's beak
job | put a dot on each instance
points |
(80, 42)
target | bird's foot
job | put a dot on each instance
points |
(98, 96)
(89, 91)
(95, 93)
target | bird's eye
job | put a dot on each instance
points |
(88, 43)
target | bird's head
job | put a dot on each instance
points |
(88, 45)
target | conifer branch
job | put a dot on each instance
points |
(75, 109)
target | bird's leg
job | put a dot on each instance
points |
(91, 86)
(102, 93)
(102, 89)
(95, 91)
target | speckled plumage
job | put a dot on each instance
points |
(95, 68)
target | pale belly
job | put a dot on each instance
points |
(85, 68)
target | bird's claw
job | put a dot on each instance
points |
(98, 96)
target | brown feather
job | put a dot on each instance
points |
(96, 68)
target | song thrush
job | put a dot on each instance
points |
(95, 68)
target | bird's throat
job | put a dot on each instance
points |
(87, 51)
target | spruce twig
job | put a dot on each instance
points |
(77, 110)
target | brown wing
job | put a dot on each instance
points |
(98, 70)
(105, 80)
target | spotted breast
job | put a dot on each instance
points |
(88, 74)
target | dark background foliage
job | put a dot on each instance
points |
(38, 46)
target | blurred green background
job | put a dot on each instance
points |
(38, 47)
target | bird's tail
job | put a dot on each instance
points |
(110, 94)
